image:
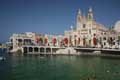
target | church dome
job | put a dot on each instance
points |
(90, 9)
(117, 26)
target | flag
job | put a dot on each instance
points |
(94, 41)
(78, 40)
(66, 41)
(37, 39)
(54, 41)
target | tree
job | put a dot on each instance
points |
(118, 38)
(41, 41)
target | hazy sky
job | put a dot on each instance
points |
(51, 16)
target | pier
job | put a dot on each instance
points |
(87, 49)
(54, 49)
(101, 50)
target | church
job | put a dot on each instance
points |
(88, 32)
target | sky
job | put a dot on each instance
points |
(52, 16)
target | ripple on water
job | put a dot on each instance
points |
(60, 68)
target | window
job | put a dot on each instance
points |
(11, 40)
(89, 16)
(84, 25)
(104, 38)
(104, 43)
(113, 43)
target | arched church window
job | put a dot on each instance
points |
(84, 25)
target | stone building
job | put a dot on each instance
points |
(19, 40)
(88, 32)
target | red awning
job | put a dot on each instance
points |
(54, 41)
(37, 40)
(66, 41)
(79, 40)
(94, 41)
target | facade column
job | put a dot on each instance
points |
(16, 42)
(39, 50)
(27, 49)
(45, 50)
(51, 50)
(33, 50)
(22, 41)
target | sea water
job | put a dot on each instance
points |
(32, 67)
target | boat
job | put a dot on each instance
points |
(3, 52)
(2, 58)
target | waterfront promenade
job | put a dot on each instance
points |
(53, 50)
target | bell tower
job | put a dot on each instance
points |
(79, 19)
(90, 14)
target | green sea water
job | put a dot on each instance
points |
(33, 67)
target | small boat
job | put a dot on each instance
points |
(3, 53)
(2, 58)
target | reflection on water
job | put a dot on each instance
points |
(59, 68)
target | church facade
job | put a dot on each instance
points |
(87, 32)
